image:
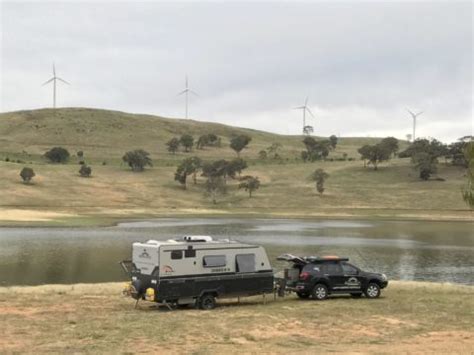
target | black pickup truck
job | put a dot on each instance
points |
(319, 277)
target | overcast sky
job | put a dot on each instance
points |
(361, 64)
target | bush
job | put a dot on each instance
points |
(57, 155)
(85, 171)
(137, 159)
(27, 174)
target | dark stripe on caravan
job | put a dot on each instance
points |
(255, 247)
(211, 275)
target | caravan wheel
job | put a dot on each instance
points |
(207, 302)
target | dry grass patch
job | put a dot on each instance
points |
(410, 317)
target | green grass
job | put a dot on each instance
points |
(409, 317)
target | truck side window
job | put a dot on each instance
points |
(349, 269)
(176, 254)
(245, 262)
(214, 261)
(333, 269)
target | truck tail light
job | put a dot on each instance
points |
(304, 275)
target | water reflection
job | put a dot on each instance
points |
(433, 251)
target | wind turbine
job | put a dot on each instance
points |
(54, 79)
(305, 109)
(414, 116)
(186, 92)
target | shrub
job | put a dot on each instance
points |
(85, 171)
(57, 155)
(27, 174)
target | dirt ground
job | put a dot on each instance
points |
(409, 318)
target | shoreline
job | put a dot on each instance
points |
(63, 217)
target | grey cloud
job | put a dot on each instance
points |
(360, 63)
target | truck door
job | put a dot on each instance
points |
(334, 273)
(352, 279)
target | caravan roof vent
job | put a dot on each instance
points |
(197, 238)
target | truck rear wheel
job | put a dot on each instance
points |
(207, 302)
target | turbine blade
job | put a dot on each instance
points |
(307, 108)
(299, 108)
(47, 82)
(182, 92)
(193, 92)
(419, 113)
(411, 113)
(64, 81)
(54, 70)
(306, 101)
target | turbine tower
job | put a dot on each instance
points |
(414, 116)
(54, 79)
(305, 108)
(186, 92)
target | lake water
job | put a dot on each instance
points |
(424, 251)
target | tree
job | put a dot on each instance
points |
(364, 153)
(262, 155)
(215, 186)
(456, 152)
(432, 147)
(80, 154)
(173, 145)
(320, 176)
(316, 150)
(390, 144)
(216, 168)
(85, 171)
(187, 141)
(250, 184)
(374, 154)
(424, 155)
(273, 150)
(333, 141)
(137, 159)
(57, 155)
(239, 142)
(468, 189)
(235, 166)
(27, 174)
(187, 167)
(426, 164)
(209, 140)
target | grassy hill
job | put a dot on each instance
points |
(104, 134)
(114, 192)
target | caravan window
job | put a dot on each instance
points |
(245, 262)
(190, 253)
(176, 254)
(214, 261)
